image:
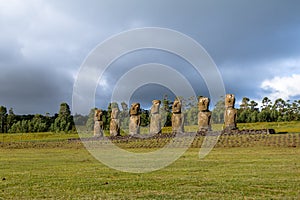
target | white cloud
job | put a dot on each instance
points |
(284, 66)
(282, 87)
(103, 84)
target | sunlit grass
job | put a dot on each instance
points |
(226, 173)
(47, 136)
(280, 127)
(48, 165)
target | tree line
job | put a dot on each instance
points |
(12, 123)
(277, 111)
(248, 111)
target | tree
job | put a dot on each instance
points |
(288, 111)
(253, 105)
(11, 119)
(218, 112)
(90, 121)
(15, 128)
(24, 126)
(80, 119)
(279, 105)
(247, 111)
(191, 111)
(165, 111)
(279, 110)
(38, 124)
(106, 114)
(295, 109)
(243, 112)
(266, 103)
(145, 119)
(242, 116)
(3, 116)
(124, 116)
(254, 116)
(264, 116)
(245, 103)
(64, 121)
(191, 116)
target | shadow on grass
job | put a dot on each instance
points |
(281, 132)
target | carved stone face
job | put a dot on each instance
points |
(135, 109)
(229, 101)
(203, 104)
(155, 106)
(114, 113)
(176, 108)
(98, 115)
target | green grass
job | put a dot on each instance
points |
(48, 136)
(47, 165)
(194, 128)
(280, 127)
(226, 173)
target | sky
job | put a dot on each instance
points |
(43, 44)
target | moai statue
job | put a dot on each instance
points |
(204, 114)
(114, 126)
(98, 125)
(135, 119)
(155, 126)
(177, 117)
(230, 114)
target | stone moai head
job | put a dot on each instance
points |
(98, 115)
(203, 104)
(155, 106)
(135, 109)
(176, 108)
(229, 101)
(114, 113)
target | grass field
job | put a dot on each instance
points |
(226, 173)
(279, 127)
(47, 165)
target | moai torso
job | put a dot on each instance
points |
(98, 115)
(98, 125)
(230, 114)
(177, 117)
(204, 115)
(135, 119)
(155, 121)
(230, 118)
(114, 126)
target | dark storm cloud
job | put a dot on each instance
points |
(42, 44)
(31, 90)
(146, 93)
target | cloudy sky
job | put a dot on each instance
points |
(255, 45)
